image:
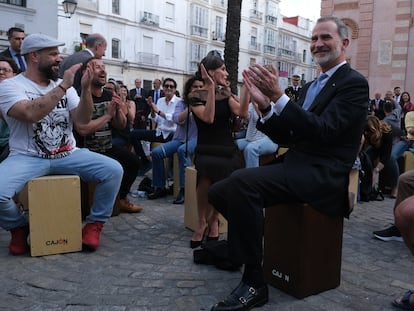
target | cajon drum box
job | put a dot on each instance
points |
(302, 249)
(408, 161)
(190, 202)
(54, 209)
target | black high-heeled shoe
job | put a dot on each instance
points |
(195, 244)
(212, 238)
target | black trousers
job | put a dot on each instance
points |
(130, 164)
(241, 198)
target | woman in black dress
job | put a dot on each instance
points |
(216, 154)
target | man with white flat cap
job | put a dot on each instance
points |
(40, 110)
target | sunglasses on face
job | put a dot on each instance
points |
(169, 86)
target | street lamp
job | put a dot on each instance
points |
(69, 7)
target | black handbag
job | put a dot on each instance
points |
(215, 253)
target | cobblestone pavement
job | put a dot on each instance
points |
(145, 263)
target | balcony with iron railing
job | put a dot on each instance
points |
(218, 36)
(269, 49)
(194, 65)
(200, 31)
(222, 4)
(150, 59)
(149, 19)
(289, 54)
(270, 19)
(256, 15)
(255, 46)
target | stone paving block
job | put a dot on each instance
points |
(145, 263)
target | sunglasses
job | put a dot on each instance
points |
(169, 86)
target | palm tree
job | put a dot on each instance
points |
(231, 48)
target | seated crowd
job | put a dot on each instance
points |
(86, 124)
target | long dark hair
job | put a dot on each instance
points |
(187, 88)
(212, 61)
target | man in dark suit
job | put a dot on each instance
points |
(95, 47)
(323, 137)
(15, 36)
(294, 91)
(156, 93)
(376, 106)
(139, 95)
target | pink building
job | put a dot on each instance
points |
(382, 40)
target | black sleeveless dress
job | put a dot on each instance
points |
(216, 154)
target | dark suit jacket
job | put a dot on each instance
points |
(294, 95)
(142, 108)
(77, 57)
(323, 142)
(152, 94)
(379, 113)
(6, 53)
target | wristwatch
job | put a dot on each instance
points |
(266, 110)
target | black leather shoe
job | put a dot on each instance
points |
(158, 193)
(180, 197)
(243, 298)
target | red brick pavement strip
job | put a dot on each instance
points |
(145, 263)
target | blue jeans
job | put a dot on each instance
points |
(253, 149)
(16, 170)
(167, 150)
(397, 151)
(146, 135)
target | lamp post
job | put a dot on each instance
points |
(69, 7)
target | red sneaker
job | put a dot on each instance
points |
(18, 244)
(90, 235)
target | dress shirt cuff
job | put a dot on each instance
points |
(276, 107)
(280, 104)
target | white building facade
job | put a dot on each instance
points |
(151, 39)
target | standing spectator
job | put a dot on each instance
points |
(108, 113)
(39, 109)
(324, 139)
(95, 47)
(397, 94)
(216, 155)
(8, 69)
(183, 142)
(139, 96)
(156, 93)
(15, 36)
(406, 106)
(294, 91)
(376, 104)
(255, 143)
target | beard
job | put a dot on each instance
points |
(328, 58)
(49, 72)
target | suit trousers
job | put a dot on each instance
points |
(240, 198)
